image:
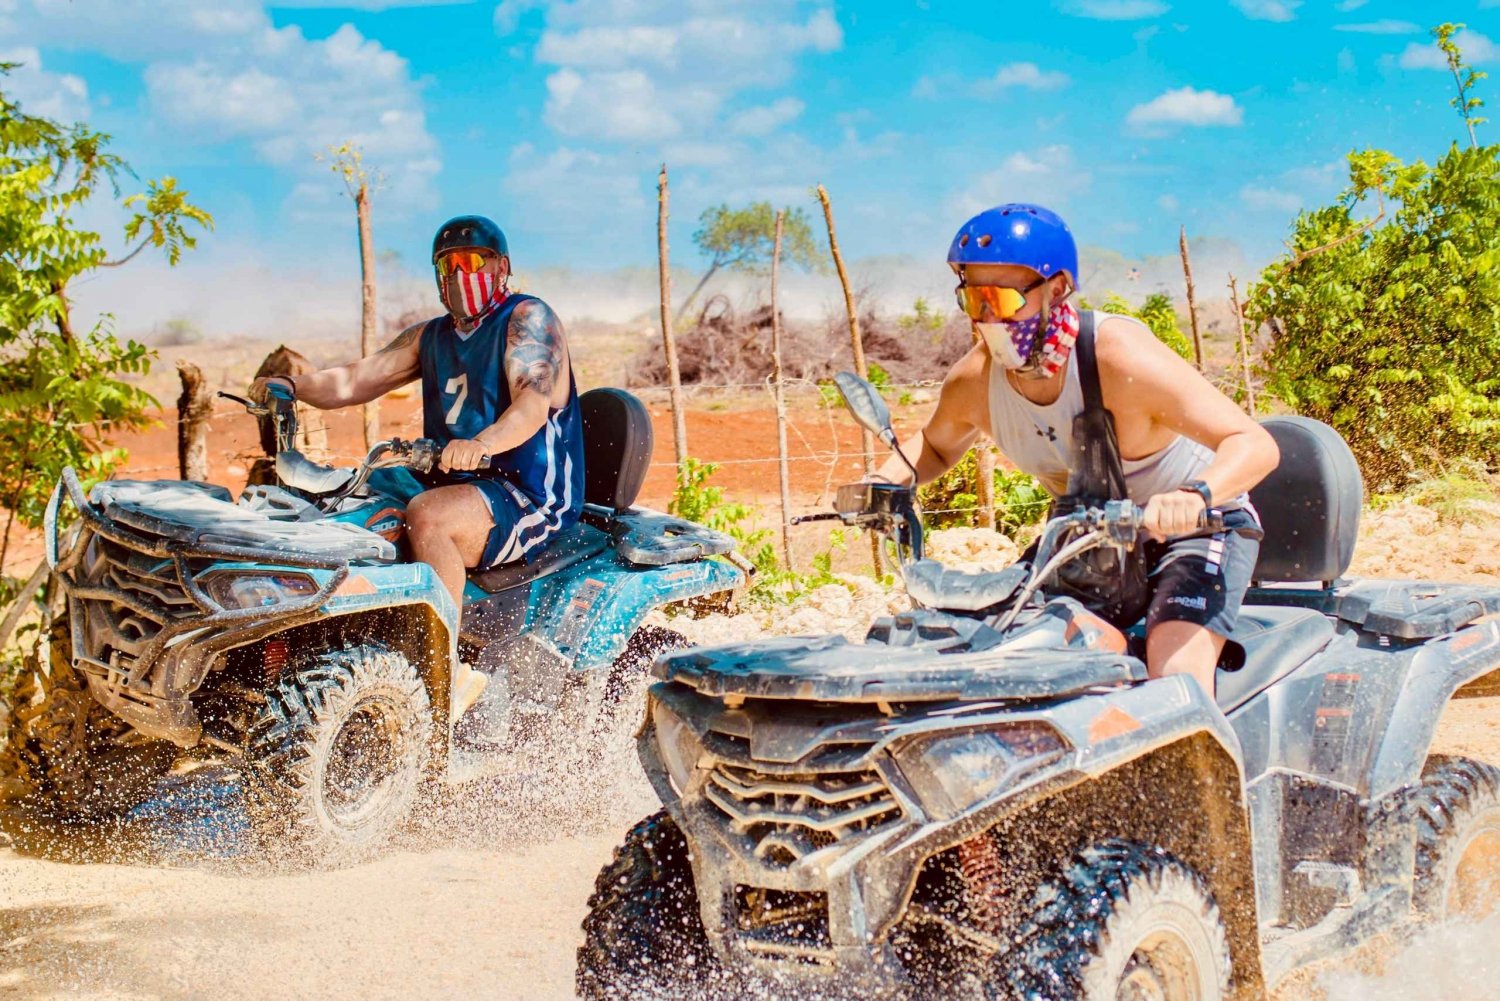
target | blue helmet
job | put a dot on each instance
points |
(469, 231)
(1017, 233)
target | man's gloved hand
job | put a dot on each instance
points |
(463, 454)
(1173, 513)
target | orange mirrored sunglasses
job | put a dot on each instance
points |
(467, 261)
(1002, 302)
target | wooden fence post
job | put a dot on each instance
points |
(867, 440)
(367, 304)
(312, 432)
(986, 485)
(193, 407)
(1239, 323)
(1187, 271)
(776, 386)
(674, 376)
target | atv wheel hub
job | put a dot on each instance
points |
(366, 756)
(1162, 969)
(1475, 892)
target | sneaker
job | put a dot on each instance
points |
(468, 685)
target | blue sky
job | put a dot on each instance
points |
(1129, 116)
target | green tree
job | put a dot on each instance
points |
(1388, 327)
(742, 239)
(1464, 78)
(1157, 313)
(61, 390)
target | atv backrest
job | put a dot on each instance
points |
(1309, 504)
(617, 442)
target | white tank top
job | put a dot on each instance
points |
(1038, 439)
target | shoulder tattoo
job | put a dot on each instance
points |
(534, 348)
(405, 339)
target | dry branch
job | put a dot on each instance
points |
(1187, 271)
(1239, 323)
(866, 438)
(776, 375)
(23, 600)
(367, 322)
(674, 375)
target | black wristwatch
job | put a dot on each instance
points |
(1202, 490)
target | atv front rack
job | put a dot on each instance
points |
(134, 598)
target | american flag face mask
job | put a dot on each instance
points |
(467, 290)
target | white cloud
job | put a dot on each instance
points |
(766, 118)
(1270, 199)
(291, 97)
(62, 97)
(1049, 175)
(1116, 10)
(1168, 203)
(642, 71)
(224, 73)
(1347, 5)
(1476, 48)
(370, 5)
(1385, 26)
(1186, 106)
(1268, 10)
(1027, 75)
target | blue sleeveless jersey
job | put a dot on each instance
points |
(464, 391)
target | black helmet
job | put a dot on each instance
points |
(468, 231)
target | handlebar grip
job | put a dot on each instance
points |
(820, 516)
(1213, 521)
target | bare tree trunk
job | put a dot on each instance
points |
(857, 343)
(193, 408)
(781, 456)
(986, 485)
(23, 599)
(1187, 271)
(1239, 323)
(674, 375)
(367, 332)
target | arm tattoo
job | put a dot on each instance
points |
(534, 349)
(404, 340)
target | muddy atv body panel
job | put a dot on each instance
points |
(186, 609)
(951, 807)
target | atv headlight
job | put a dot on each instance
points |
(233, 589)
(679, 746)
(951, 772)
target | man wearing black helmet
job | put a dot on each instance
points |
(498, 397)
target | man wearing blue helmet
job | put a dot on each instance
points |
(496, 382)
(1176, 444)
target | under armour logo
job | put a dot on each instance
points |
(1050, 434)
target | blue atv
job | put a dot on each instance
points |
(289, 632)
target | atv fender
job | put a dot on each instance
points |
(408, 608)
(1439, 671)
(589, 613)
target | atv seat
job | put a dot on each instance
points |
(1265, 646)
(617, 443)
(570, 546)
(1309, 504)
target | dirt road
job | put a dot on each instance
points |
(484, 901)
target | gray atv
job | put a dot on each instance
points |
(988, 798)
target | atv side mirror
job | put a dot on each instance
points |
(865, 404)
